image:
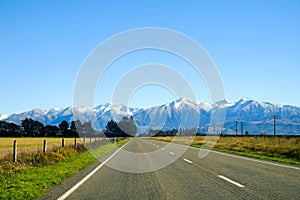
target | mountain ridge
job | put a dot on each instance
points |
(257, 117)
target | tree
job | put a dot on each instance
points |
(111, 129)
(64, 126)
(32, 128)
(27, 126)
(73, 129)
(73, 126)
(128, 127)
(125, 128)
(88, 129)
(79, 128)
(51, 131)
(10, 130)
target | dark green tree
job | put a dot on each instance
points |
(88, 129)
(73, 129)
(125, 128)
(64, 126)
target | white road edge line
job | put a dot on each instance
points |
(75, 187)
(231, 181)
(250, 159)
(171, 153)
(186, 160)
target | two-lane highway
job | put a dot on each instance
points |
(217, 176)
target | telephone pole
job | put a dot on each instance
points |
(274, 125)
(221, 129)
(242, 128)
(236, 127)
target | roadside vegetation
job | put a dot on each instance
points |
(32, 145)
(45, 155)
(279, 148)
(30, 177)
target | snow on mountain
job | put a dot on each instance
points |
(3, 116)
(36, 114)
(182, 113)
(222, 104)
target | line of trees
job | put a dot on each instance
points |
(125, 128)
(31, 128)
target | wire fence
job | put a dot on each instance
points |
(239, 127)
(13, 148)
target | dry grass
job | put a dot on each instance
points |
(32, 145)
(279, 147)
(30, 153)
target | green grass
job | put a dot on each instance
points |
(281, 149)
(33, 182)
(254, 155)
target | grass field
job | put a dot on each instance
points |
(286, 149)
(31, 183)
(33, 145)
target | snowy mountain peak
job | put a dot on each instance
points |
(3, 116)
(184, 101)
(244, 100)
(223, 103)
(170, 115)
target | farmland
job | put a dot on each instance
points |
(32, 145)
(286, 149)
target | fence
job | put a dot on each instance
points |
(11, 149)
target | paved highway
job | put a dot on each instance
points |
(217, 176)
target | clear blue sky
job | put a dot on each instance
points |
(255, 45)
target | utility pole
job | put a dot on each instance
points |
(236, 127)
(242, 128)
(221, 129)
(274, 125)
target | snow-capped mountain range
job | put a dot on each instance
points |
(252, 116)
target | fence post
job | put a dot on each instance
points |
(84, 141)
(75, 143)
(63, 142)
(45, 146)
(115, 140)
(15, 151)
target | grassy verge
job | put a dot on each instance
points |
(253, 155)
(281, 149)
(33, 182)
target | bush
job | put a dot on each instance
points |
(54, 156)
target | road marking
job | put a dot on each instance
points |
(171, 153)
(244, 158)
(249, 159)
(186, 160)
(231, 181)
(157, 146)
(163, 149)
(75, 187)
(259, 161)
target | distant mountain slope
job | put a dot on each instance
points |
(252, 116)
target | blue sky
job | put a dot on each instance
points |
(254, 44)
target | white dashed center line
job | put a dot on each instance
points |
(231, 181)
(171, 153)
(186, 160)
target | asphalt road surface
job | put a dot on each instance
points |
(186, 176)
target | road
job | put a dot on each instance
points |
(217, 176)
